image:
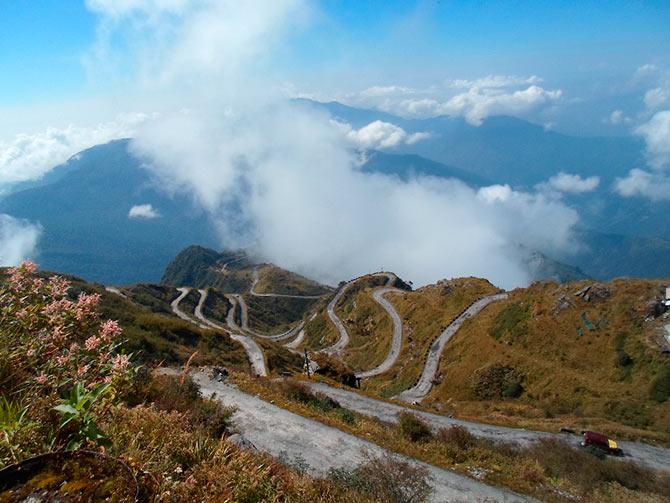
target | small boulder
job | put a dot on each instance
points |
(241, 442)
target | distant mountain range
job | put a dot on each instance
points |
(83, 205)
(522, 154)
(84, 209)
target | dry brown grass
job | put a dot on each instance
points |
(370, 329)
(273, 279)
(425, 313)
(568, 379)
(547, 472)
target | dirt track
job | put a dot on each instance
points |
(284, 434)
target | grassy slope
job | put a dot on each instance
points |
(575, 377)
(425, 313)
(320, 331)
(275, 314)
(273, 279)
(157, 337)
(369, 327)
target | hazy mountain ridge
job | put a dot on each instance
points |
(83, 204)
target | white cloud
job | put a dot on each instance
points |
(18, 240)
(495, 81)
(283, 180)
(645, 71)
(654, 183)
(478, 103)
(145, 211)
(376, 91)
(475, 99)
(381, 135)
(656, 134)
(657, 98)
(572, 184)
(655, 186)
(617, 117)
(30, 156)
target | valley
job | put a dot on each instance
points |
(388, 352)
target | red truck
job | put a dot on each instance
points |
(602, 442)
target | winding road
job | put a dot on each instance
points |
(396, 342)
(253, 350)
(343, 341)
(183, 292)
(244, 317)
(423, 386)
(654, 457)
(116, 291)
(284, 434)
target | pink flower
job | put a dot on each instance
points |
(30, 353)
(74, 347)
(86, 305)
(82, 370)
(58, 286)
(120, 363)
(42, 379)
(57, 308)
(91, 343)
(28, 266)
(109, 330)
(62, 360)
(57, 333)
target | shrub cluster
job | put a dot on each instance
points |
(60, 365)
(299, 392)
(386, 478)
(413, 428)
(497, 381)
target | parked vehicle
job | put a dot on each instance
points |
(602, 442)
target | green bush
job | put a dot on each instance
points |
(386, 479)
(587, 471)
(512, 320)
(497, 381)
(169, 393)
(414, 428)
(346, 416)
(660, 386)
(623, 359)
(457, 436)
(629, 412)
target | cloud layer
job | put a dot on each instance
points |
(30, 156)
(474, 100)
(283, 179)
(18, 240)
(654, 183)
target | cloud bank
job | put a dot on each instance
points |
(18, 240)
(474, 100)
(654, 183)
(283, 179)
(31, 156)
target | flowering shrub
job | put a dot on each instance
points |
(51, 344)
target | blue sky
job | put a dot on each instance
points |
(588, 49)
